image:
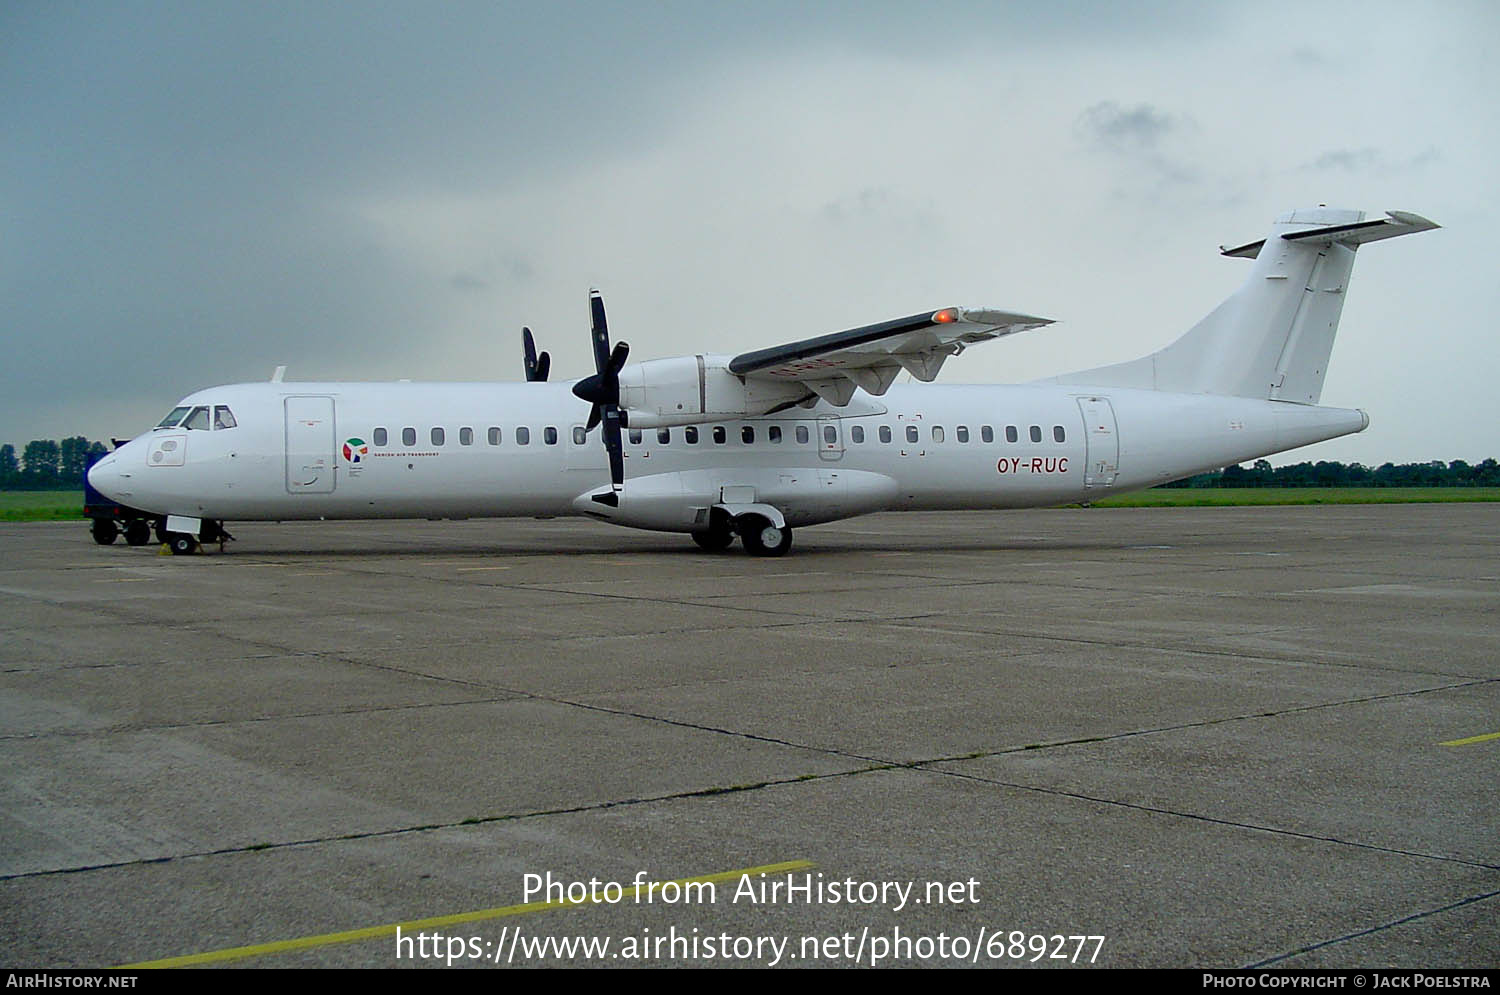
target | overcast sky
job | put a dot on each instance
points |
(195, 193)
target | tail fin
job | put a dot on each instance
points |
(1272, 338)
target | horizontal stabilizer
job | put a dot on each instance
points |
(1355, 233)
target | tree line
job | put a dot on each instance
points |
(47, 465)
(1326, 473)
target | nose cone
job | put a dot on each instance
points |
(106, 478)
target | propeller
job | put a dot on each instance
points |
(537, 367)
(602, 389)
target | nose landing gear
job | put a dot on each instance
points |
(185, 543)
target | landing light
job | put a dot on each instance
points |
(946, 316)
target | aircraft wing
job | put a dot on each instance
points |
(872, 356)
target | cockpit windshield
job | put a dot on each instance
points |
(197, 418)
(172, 419)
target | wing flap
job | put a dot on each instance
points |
(871, 356)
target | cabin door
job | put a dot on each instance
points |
(310, 441)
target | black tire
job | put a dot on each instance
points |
(137, 532)
(714, 540)
(104, 530)
(761, 538)
(181, 543)
(162, 535)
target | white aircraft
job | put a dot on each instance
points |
(758, 444)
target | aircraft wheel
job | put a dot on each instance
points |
(714, 540)
(181, 543)
(162, 535)
(104, 530)
(138, 532)
(761, 538)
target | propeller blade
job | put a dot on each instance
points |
(537, 366)
(591, 389)
(612, 443)
(616, 364)
(599, 329)
(594, 417)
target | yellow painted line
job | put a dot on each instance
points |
(1472, 739)
(389, 929)
(465, 570)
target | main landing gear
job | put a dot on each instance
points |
(137, 531)
(759, 534)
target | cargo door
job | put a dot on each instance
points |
(1102, 440)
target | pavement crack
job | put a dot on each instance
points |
(465, 823)
(1414, 917)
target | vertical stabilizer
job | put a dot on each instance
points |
(1271, 339)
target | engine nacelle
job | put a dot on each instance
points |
(688, 390)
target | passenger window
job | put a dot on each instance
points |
(690, 435)
(1010, 433)
(549, 435)
(494, 436)
(911, 433)
(801, 435)
(720, 437)
(857, 434)
(937, 433)
(774, 433)
(437, 437)
(1058, 435)
(380, 437)
(1036, 433)
(830, 435)
(523, 436)
(663, 436)
(197, 420)
(466, 437)
(635, 437)
(580, 435)
(747, 435)
(885, 433)
(408, 437)
(223, 417)
(986, 434)
(963, 433)
(172, 419)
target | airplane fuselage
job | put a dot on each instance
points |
(461, 450)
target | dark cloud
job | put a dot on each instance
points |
(1352, 160)
(1142, 128)
(1142, 144)
(1370, 160)
(468, 283)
